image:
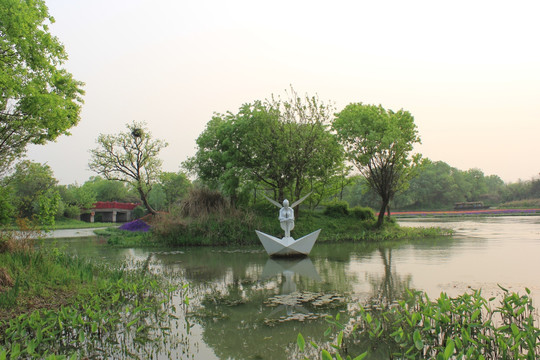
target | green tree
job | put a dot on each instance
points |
(175, 186)
(156, 197)
(31, 182)
(81, 196)
(40, 100)
(434, 187)
(278, 145)
(379, 143)
(131, 157)
(48, 204)
(107, 190)
(216, 162)
(7, 209)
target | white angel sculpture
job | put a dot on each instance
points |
(286, 213)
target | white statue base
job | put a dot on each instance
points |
(287, 246)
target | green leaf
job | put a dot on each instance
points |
(301, 342)
(418, 340)
(340, 338)
(515, 329)
(326, 355)
(361, 356)
(449, 350)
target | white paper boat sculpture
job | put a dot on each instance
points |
(287, 246)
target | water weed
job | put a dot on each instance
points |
(466, 327)
(90, 311)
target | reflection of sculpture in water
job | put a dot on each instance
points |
(286, 218)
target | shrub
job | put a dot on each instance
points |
(72, 212)
(138, 212)
(337, 209)
(202, 202)
(135, 225)
(223, 228)
(362, 213)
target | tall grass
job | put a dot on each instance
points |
(64, 305)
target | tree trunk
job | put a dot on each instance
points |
(145, 202)
(380, 219)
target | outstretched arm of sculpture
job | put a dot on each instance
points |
(297, 202)
(273, 202)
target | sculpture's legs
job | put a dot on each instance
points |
(287, 226)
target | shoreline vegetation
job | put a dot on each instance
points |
(458, 213)
(57, 306)
(237, 228)
(468, 326)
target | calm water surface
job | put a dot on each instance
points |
(247, 306)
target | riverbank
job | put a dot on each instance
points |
(53, 303)
(62, 224)
(484, 212)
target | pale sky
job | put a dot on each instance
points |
(468, 71)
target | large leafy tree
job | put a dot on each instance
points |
(34, 185)
(297, 152)
(109, 190)
(379, 143)
(175, 186)
(279, 145)
(39, 100)
(131, 157)
(216, 162)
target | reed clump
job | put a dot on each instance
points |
(205, 217)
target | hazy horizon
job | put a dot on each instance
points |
(469, 72)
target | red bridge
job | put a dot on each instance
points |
(110, 211)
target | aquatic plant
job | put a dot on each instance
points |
(465, 327)
(123, 314)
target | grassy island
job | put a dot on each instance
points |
(223, 225)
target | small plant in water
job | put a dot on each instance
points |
(465, 327)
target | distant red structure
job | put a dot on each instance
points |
(110, 211)
(115, 205)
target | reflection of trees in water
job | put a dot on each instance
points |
(390, 286)
(235, 314)
(235, 317)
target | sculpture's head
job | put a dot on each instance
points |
(286, 203)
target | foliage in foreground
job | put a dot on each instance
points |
(57, 305)
(465, 327)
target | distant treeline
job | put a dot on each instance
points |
(32, 191)
(439, 186)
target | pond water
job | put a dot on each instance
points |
(244, 305)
